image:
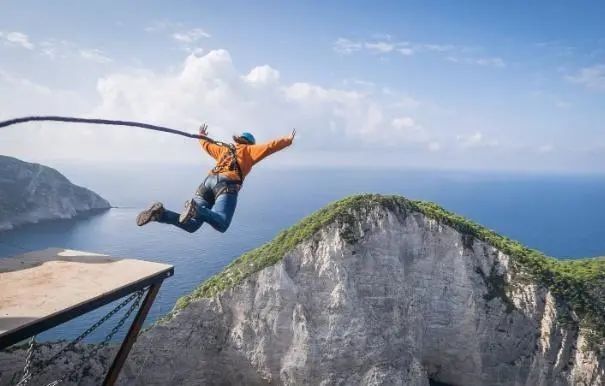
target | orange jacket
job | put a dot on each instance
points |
(247, 155)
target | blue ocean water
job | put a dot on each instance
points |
(560, 215)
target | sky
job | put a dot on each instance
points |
(467, 85)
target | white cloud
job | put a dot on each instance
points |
(406, 129)
(493, 62)
(17, 39)
(163, 25)
(190, 36)
(546, 148)
(408, 102)
(312, 94)
(55, 49)
(552, 98)
(480, 61)
(346, 46)
(209, 88)
(359, 83)
(20, 83)
(403, 123)
(262, 75)
(385, 44)
(26, 96)
(434, 146)
(590, 77)
(332, 122)
(95, 55)
(558, 47)
(65, 50)
(188, 40)
(439, 47)
(379, 47)
(472, 139)
(30, 141)
(476, 139)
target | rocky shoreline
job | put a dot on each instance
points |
(30, 193)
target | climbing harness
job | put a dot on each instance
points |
(226, 187)
(28, 374)
(210, 194)
(233, 164)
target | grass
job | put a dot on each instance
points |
(578, 285)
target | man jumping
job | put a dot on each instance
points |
(215, 199)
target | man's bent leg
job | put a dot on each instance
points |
(222, 213)
(204, 197)
(172, 218)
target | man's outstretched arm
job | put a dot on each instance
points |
(212, 149)
(258, 152)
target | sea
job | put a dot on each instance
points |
(561, 215)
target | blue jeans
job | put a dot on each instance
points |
(216, 211)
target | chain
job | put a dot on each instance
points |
(92, 328)
(28, 375)
(138, 296)
(28, 362)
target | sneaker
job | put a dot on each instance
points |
(152, 214)
(189, 212)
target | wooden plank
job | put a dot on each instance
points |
(45, 288)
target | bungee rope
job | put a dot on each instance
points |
(234, 164)
(107, 122)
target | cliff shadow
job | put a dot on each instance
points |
(8, 322)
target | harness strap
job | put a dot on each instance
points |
(225, 187)
(221, 187)
(234, 165)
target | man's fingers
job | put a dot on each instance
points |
(204, 129)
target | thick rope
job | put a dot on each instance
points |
(105, 122)
(125, 123)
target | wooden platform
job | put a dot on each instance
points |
(42, 289)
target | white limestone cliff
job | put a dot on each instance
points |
(387, 296)
(409, 300)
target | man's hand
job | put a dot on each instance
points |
(204, 129)
(293, 134)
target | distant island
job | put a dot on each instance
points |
(30, 193)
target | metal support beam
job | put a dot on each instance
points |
(131, 337)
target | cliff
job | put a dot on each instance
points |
(30, 193)
(377, 290)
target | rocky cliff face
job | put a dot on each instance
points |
(382, 291)
(31, 192)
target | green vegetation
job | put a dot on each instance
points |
(272, 252)
(579, 284)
